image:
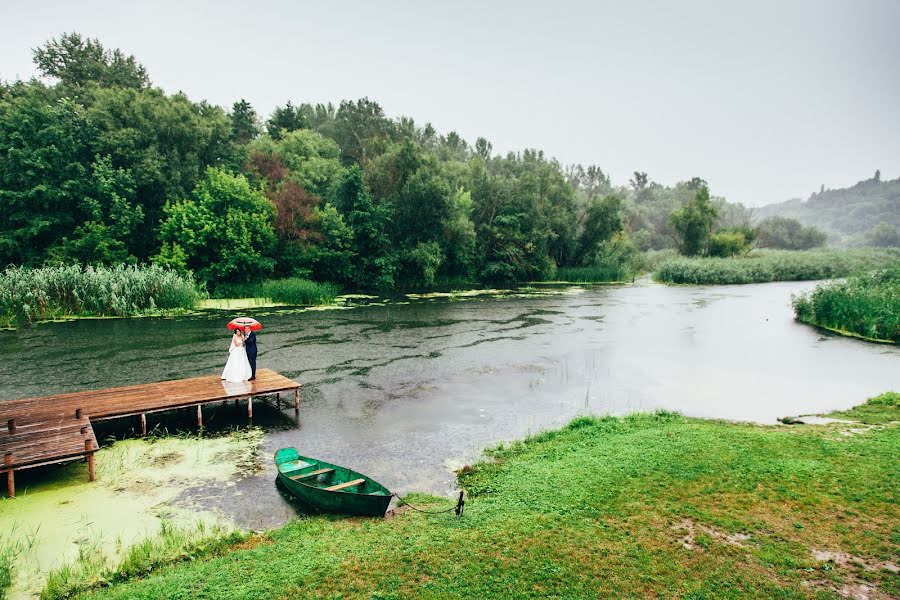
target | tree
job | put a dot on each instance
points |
(244, 122)
(286, 118)
(788, 234)
(693, 222)
(223, 232)
(78, 61)
(376, 263)
(603, 219)
(883, 235)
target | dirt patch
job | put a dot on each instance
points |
(853, 586)
(689, 530)
(166, 458)
(845, 560)
(254, 542)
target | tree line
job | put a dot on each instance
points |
(101, 167)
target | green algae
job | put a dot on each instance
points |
(57, 515)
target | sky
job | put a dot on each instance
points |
(766, 100)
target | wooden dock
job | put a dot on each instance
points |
(53, 429)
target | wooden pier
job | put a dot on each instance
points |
(53, 429)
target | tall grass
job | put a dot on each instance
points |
(9, 550)
(291, 290)
(866, 305)
(28, 294)
(774, 265)
(92, 568)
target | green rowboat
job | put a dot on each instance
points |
(330, 488)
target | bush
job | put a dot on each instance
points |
(867, 305)
(291, 290)
(773, 265)
(50, 292)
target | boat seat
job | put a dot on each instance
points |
(345, 485)
(310, 475)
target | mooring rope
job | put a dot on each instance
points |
(460, 503)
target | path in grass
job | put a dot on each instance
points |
(627, 507)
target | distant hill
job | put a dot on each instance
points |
(846, 214)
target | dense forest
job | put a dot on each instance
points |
(865, 214)
(101, 167)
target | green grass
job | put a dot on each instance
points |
(28, 295)
(867, 305)
(774, 265)
(92, 569)
(292, 290)
(604, 507)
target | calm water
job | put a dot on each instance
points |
(403, 392)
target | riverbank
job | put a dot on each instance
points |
(645, 505)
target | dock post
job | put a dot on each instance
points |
(250, 407)
(199, 417)
(10, 478)
(297, 401)
(89, 450)
(77, 413)
(143, 424)
(11, 425)
(278, 400)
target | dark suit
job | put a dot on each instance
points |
(250, 345)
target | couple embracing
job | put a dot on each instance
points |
(241, 365)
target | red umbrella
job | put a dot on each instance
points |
(242, 322)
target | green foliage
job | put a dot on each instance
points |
(865, 305)
(649, 505)
(726, 244)
(772, 265)
(603, 219)
(76, 61)
(693, 223)
(223, 232)
(788, 234)
(291, 290)
(875, 411)
(51, 292)
(883, 235)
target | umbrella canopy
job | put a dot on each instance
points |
(242, 322)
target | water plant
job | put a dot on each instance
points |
(773, 265)
(39, 294)
(866, 305)
(291, 290)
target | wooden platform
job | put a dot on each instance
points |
(52, 429)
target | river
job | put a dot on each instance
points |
(405, 391)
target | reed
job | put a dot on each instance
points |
(774, 265)
(865, 305)
(44, 293)
(291, 290)
(594, 274)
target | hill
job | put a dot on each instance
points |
(846, 214)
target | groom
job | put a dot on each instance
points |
(250, 345)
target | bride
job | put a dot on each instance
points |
(238, 367)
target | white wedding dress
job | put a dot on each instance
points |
(238, 366)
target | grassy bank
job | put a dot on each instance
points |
(774, 265)
(866, 305)
(29, 295)
(642, 506)
(292, 290)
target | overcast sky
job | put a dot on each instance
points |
(764, 99)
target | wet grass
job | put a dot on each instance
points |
(774, 265)
(867, 306)
(650, 505)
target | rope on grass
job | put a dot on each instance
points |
(460, 503)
